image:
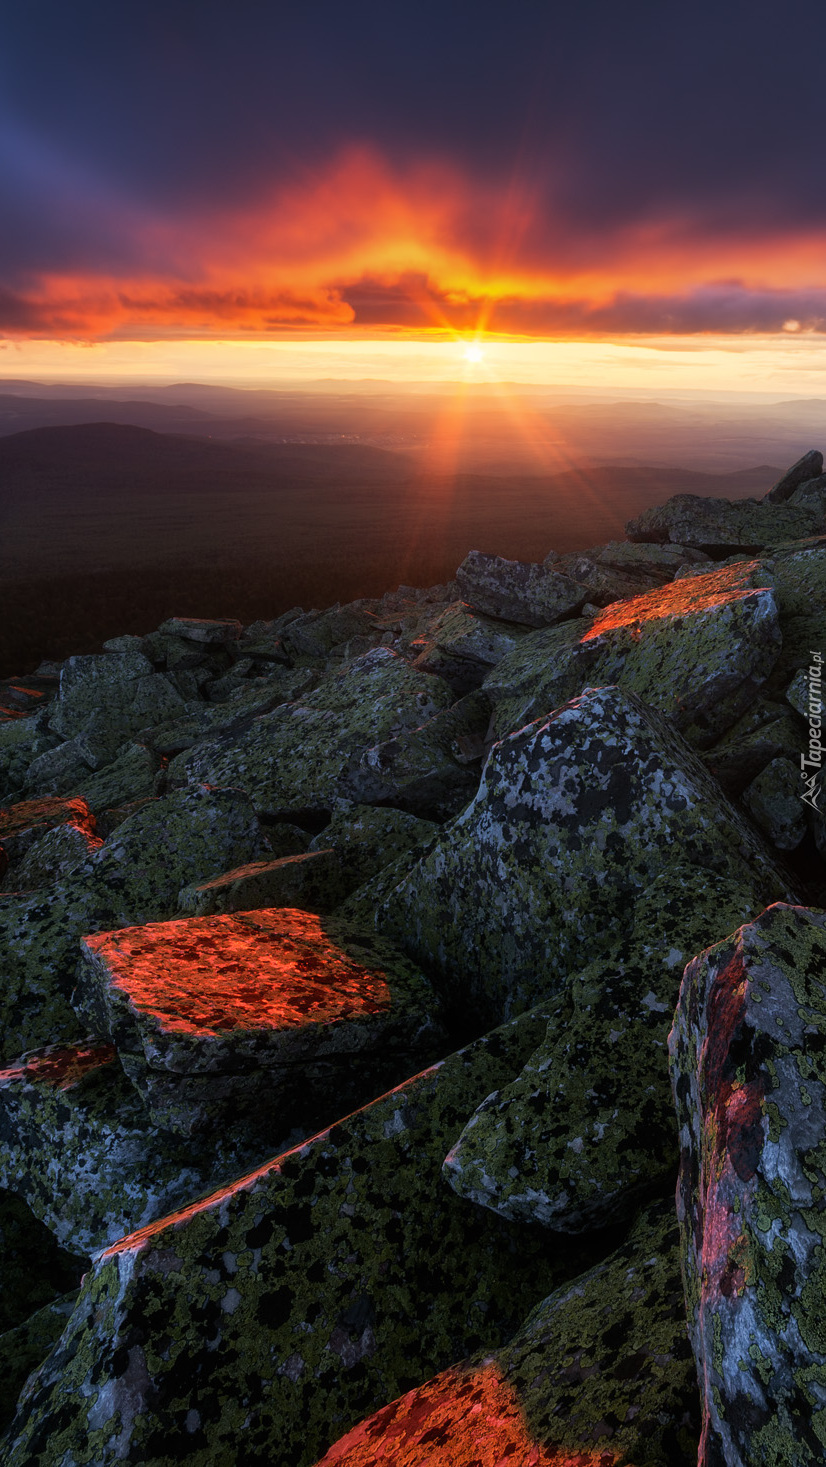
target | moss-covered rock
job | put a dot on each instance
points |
(588, 1125)
(430, 771)
(716, 525)
(215, 1017)
(462, 646)
(53, 856)
(774, 803)
(134, 877)
(26, 1346)
(698, 649)
(22, 740)
(131, 776)
(768, 730)
(575, 816)
(276, 1313)
(368, 838)
(294, 758)
(22, 824)
(312, 880)
(600, 1373)
(121, 689)
(517, 590)
(750, 1087)
(78, 1145)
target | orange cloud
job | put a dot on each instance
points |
(361, 248)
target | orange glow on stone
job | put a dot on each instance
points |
(59, 1067)
(269, 969)
(680, 598)
(462, 1418)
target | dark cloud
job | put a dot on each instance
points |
(133, 138)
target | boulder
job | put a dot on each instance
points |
(22, 824)
(200, 630)
(462, 646)
(698, 650)
(368, 838)
(774, 804)
(723, 525)
(766, 731)
(121, 691)
(53, 856)
(588, 1126)
(807, 467)
(575, 816)
(294, 758)
(134, 877)
(215, 1017)
(22, 740)
(34, 1268)
(750, 1089)
(281, 1309)
(132, 776)
(312, 880)
(23, 1348)
(431, 772)
(599, 1373)
(78, 1145)
(517, 590)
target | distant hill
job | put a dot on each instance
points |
(107, 528)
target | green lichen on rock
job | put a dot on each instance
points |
(368, 838)
(79, 1147)
(214, 1018)
(131, 776)
(287, 1306)
(574, 818)
(312, 880)
(588, 1126)
(750, 1088)
(53, 856)
(697, 650)
(461, 645)
(601, 1371)
(134, 877)
(294, 758)
(774, 803)
(768, 730)
(26, 1346)
(431, 771)
(724, 524)
(121, 690)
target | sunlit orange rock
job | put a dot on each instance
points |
(213, 1013)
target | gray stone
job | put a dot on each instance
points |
(462, 646)
(214, 1017)
(295, 757)
(432, 771)
(312, 880)
(52, 857)
(750, 1088)
(198, 629)
(599, 1373)
(807, 467)
(317, 1274)
(588, 1126)
(132, 776)
(697, 650)
(367, 839)
(518, 591)
(575, 816)
(723, 524)
(774, 803)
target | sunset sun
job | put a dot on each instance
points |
(474, 353)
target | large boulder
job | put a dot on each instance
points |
(431, 772)
(294, 758)
(462, 646)
(518, 591)
(272, 1315)
(721, 526)
(119, 690)
(588, 1126)
(806, 468)
(750, 1088)
(79, 1148)
(600, 1373)
(575, 816)
(698, 649)
(215, 1018)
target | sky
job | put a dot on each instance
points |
(535, 190)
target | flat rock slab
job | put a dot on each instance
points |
(698, 650)
(311, 880)
(574, 817)
(724, 524)
(283, 1308)
(199, 629)
(601, 1373)
(211, 1013)
(78, 1145)
(747, 1057)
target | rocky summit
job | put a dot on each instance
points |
(413, 1019)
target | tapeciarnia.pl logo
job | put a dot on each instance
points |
(813, 761)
